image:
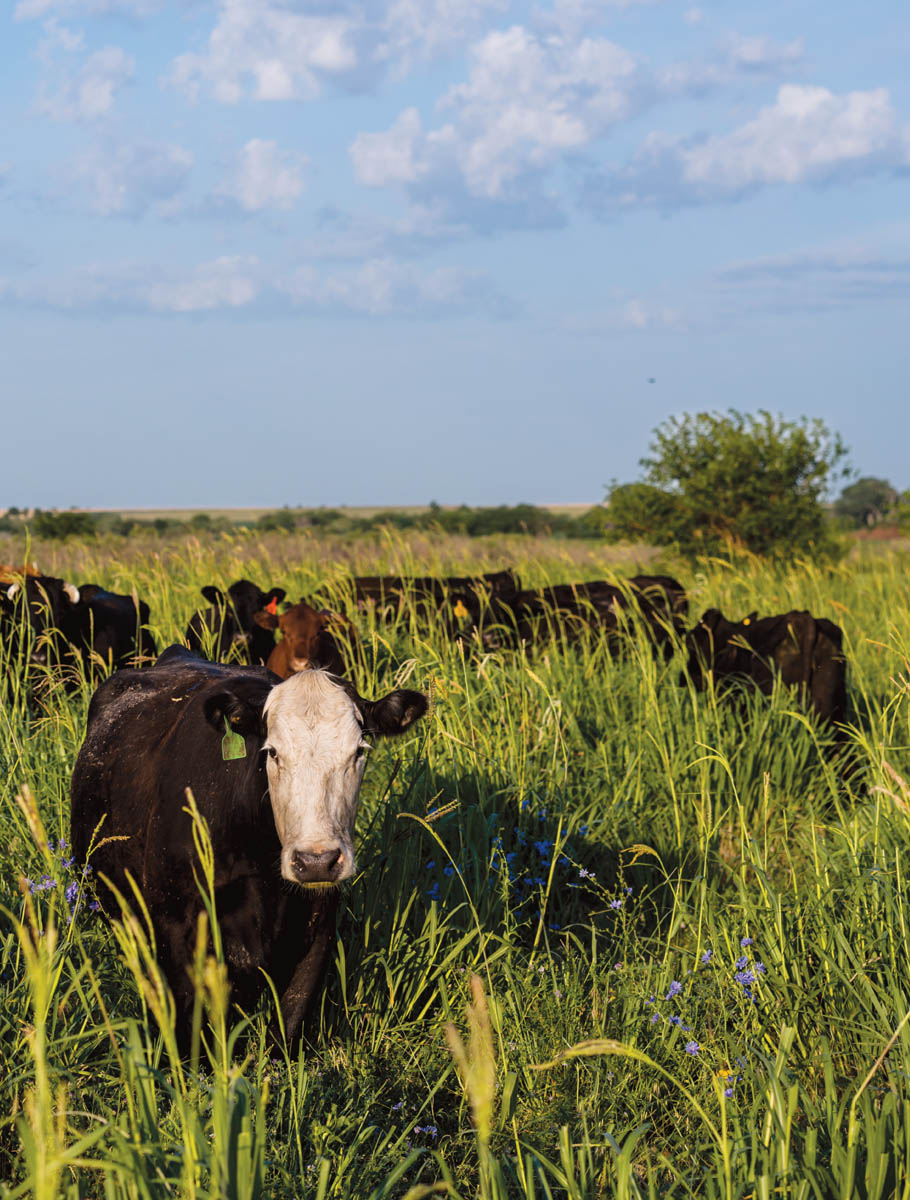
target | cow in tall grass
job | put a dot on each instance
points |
(310, 638)
(567, 611)
(275, 770)
(230, 622)
(447, 600)
(806, 652)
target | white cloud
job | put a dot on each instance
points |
(74, 90)
(226, 283)
(809, 135)
(264, 50)
(396, 155)
(264, 177)
(245, 284)
(414, 30)
(634, 315)
(130, 178)
(528, 100)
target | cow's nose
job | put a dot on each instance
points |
(323, 866)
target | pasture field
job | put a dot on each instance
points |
(681, 927)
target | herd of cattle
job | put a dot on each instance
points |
(273, 749)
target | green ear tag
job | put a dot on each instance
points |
(232, 744)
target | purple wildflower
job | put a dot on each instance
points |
(692, 1048)
(746, 941)
(706, 957)
(675, 989)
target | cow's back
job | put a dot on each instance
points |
(147, 740)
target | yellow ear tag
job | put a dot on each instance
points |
(232, 744)
(747, 620)
(460, 611)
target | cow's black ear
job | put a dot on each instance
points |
(272, 595)
(711, 619)
(267, 620)
(394, 713)
(88, 591)
(242, 716)
(213, 595)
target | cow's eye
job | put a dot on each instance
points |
(272, 753)
(358, 753)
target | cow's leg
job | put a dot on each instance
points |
(308, 973)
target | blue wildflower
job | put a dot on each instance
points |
(746, 941)
(616, 903)
(675, 989)
(744, 977)
(741, 963)
(398, 1107)
(692, 1048)
(433, 892)
(654, 1018)
(448, 869)
(431, 864)
(759, 967)
(728, 1092)
(68, 862)
(706, 957)
(94, 906)
(72, 891)
(674, 1020)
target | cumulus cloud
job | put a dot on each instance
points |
(809, 135)
(263, 177)
(528, 100)
(266, 51)
(130, 178)
(76, 86)
(245, 284)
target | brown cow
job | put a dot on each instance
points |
(10, 574)
(308, 639)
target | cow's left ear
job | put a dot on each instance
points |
(241, 716)
(394, 713)
(273, 595)
(88, 591)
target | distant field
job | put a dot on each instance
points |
(694, 895)
(253, 514)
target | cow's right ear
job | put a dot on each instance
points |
(393, 714)
(273, 595)
(241, 716)
(266, 620)
(213, 595)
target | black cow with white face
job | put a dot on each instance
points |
(805, 651)
(231, 621)
(275, 769)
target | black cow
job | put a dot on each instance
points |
(448, 599)
(231, 621)
(42, 620)
(805, 651)
(569, 609)
(117, 632)
(274, 767)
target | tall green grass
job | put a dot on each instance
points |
(560, 867)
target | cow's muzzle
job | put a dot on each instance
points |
(319, 866)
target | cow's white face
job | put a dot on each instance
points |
(315, 760)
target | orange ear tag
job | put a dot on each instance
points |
(460, 611)
(272, 607)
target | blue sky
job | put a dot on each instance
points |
(387, 251)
